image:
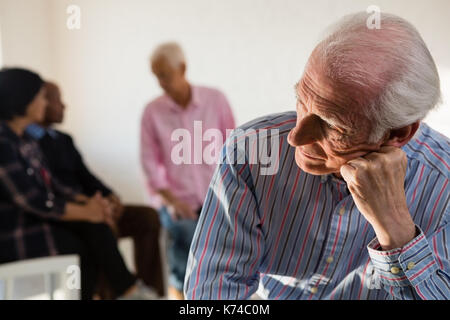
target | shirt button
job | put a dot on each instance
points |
(411, 265)
(30, 171)
(395, 270)
(330, 259)
(341, 211)
(49, 204)
(314, 290)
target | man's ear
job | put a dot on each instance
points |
(401, 136)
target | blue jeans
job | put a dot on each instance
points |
(180, 237)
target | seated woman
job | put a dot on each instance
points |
(40, 217)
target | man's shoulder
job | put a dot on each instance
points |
(283, 122)
(431, 148)
(204, 94)
(60, 139)
(156, 103)
(62, 135)
(207, 90)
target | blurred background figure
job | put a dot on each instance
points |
(178, 190)
(67, 165)
(41, 217)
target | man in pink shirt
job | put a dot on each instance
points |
(179, 131)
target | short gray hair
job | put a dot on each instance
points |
(390, 68)
(171, 51)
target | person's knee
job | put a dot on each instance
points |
(150, 221)
(100, 232)
(99, 228)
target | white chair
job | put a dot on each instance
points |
(126, 248)
(39, 278)
(53, 269)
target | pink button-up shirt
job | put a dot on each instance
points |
(161, 144)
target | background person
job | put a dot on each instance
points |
(178, 190)
(39, 216)
(67, 165)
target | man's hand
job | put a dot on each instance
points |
(116, 213)
(376, 183)
(181, 210)
(81, 198)
(98, 209)
(177, 209)
(117, 206)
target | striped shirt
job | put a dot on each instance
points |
(293, 235)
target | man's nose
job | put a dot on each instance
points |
(306, 131)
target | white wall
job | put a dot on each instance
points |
(254, 50)
(26, 34)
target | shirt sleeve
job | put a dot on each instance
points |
(418, 270)
(228, 243)
(151, 157)
(20, 188)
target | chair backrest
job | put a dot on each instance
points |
(55, 269)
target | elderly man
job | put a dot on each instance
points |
(179, 189)
(359, 206)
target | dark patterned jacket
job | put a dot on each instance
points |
(30, 199)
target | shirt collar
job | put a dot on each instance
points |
(332, 178)
(35, 131)
(38, 132)
(194, 103)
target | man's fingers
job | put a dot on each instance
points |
(188, 214)
(387, 149)
(358, 163)
(193, 215)
(347, 172)
(172, 213)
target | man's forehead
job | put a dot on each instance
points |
(339, 114)
(162, 63)
(316, 83)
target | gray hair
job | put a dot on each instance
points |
(171, 51)
(390, 69)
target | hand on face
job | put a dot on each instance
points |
(330, 129)
(332, 135)
(376, 182)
